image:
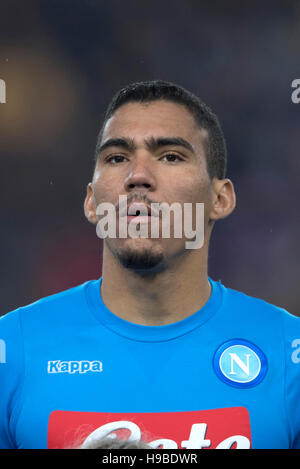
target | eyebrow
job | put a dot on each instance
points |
(151, 143)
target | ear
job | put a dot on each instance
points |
(224, 199)
(90, 205)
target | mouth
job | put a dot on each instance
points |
(139, 218)
(138, 213)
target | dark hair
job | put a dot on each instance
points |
(148, 91)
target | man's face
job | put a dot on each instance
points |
(163, 161)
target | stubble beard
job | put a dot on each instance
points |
(144, 261)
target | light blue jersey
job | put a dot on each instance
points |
(227, 376)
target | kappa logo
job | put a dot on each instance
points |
(240, 363)
(82, 366)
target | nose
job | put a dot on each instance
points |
(140, 174)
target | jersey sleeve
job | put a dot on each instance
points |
(291, 325)
(11, 375)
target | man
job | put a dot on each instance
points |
(154, 350)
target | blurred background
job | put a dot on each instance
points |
(62, 61)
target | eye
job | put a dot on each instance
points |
(172, 158)
(115, 159)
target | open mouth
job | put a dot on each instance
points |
(139, 216)
(139, 212)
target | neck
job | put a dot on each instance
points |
(169, 296)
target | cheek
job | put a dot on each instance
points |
(102, 194)
(105, 188)
(193, 190)
(190, 189)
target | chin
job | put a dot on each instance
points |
(141, 257)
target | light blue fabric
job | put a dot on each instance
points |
(69, 353)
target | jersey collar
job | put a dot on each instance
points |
(152, 333)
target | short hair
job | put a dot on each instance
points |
(149, 91)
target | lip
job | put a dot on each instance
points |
(139, 218)
(145, 212)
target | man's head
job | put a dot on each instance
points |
(159, 143)
(151, 91)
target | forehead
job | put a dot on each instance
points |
(159, 118)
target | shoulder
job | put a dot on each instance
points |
(258, 309)
(58, 305)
